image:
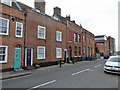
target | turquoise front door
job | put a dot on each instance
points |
(17, 58)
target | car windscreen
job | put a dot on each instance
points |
(114, 59)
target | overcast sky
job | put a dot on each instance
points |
(97, 16)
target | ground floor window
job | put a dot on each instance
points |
(40, 52)
(58, 52)
(75, 51)
(3, 54)
(79, 51)
(84, 50)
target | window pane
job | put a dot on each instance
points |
(41, 32)
(41, 52)
(4, 22)
(2, 53)
(3, 26)
(19, 29)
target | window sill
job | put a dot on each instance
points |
(41, 58)
(18, 36)
(59, 58)
(75, 56)
(4, 34)
(3, 62)
(75, 42)
(42, 39)
(59, 41)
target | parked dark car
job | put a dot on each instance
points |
(106, 57)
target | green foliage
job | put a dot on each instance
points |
(37, 63)
(97, 50)
(75, 60)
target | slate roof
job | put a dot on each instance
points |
(22, 6)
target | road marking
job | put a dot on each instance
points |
(98, 65)
(91, 70)
(43, 84)
(80, 71)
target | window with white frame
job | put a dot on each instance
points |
(3, 54)
(58, 52)
(75, 37)
(83, 38)
(41, 32)
(40, 52)
(78, 38)
(7, 2)
(88, 39)
(19, 29)
(4, 26)
(83, 49)
(58, 36)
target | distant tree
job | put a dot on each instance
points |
(96, 49)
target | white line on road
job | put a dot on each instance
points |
(43, 84)
(80, 71)
(98, 65)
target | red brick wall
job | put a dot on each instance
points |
(10, 40)
(103, 48)
(50, 42)
(71, 29)
(111, 45)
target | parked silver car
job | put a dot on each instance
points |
(112, 65)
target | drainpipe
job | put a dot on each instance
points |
(25, 14)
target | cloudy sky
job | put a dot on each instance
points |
(97, 16)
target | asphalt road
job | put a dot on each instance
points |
(87, 74)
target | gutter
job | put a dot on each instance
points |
(25, 14)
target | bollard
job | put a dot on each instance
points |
(72, 60)
(60, 63)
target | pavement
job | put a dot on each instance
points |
(13, 74)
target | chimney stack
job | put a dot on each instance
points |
(57, 10)
(40, 5)
(68, 17)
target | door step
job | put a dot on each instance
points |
(18, 69)
(30, 67)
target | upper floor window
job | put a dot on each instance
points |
(41, 32)
(83, 38)
(58, 36)
(4, 26)
(7, 2)
(58, 52)
(3, 54)
(19, 29)
(75, 37)
(40, 52)
(79, 38)
(88, 39)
